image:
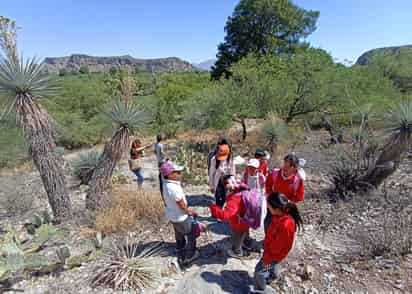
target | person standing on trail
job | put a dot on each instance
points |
(279, 238)
(221, 164)
(262, 156)
(232, 212)
(252, 176)
(286, 181)
(178, 213)
(134, 162)
(160, 156)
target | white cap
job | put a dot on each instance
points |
(253, 162)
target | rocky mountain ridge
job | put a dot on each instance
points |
(101, 64)
(365, 58)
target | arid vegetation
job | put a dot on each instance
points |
(269, 89)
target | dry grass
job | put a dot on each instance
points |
(128, 208)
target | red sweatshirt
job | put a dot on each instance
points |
(233, 209)
(278, 239)
(263, 168)
(291, 187)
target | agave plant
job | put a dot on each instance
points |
(23, 83)
(84, 166)
(399, 126)
(127, 118)
(129, 266)
(274, 130)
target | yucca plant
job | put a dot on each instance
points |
(22, 84)
(127, 118)
(129, 266)
(399, 126)
(274, 131)
(84, 166)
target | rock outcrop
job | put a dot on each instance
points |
(102, 64)
(366, 57)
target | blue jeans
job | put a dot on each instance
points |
(264, 276)
(139, 175)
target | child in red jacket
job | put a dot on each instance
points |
(278, 240)
(232, 211)
(286, 181)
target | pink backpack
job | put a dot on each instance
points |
(255, 208)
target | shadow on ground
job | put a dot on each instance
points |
(200, 200)
(230, 281)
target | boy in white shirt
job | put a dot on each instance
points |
(179, 214)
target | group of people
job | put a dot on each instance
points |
(278, 191)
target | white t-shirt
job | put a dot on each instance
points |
(173, 192)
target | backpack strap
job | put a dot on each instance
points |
(296, 180)
(275, 174)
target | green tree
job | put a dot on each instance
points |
(263, 27)
(24, 82)
(84, 69)
(63, 72)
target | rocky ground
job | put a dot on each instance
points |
(325, 258)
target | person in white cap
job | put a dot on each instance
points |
(252, 177)
(178, 213)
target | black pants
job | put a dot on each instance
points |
(161, 183)
(220, 194)
(185, 234)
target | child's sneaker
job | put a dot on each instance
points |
(195, 256)
(234, 253)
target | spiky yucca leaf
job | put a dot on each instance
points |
(127, 115)
(26, 77)
(129, 266)
(84, 166)
(399, 118)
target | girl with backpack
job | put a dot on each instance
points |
(232, 212)
(252, 176)
(221, 164)
(279, 238)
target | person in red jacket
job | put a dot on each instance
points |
(278, 240)
(286, 181)
(262, 156)
(232, 211)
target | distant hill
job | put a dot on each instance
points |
(394, 62)
(205, 65)
(366, 57)
(102, 64)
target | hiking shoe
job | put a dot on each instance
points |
(195, 256)
(234, 253)
(247, 247)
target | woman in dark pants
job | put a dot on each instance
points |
(221, 165)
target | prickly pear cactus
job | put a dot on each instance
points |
(44, 233)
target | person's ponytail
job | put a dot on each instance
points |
(276, 200)
(293, 211)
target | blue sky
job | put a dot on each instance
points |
(191, 29)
